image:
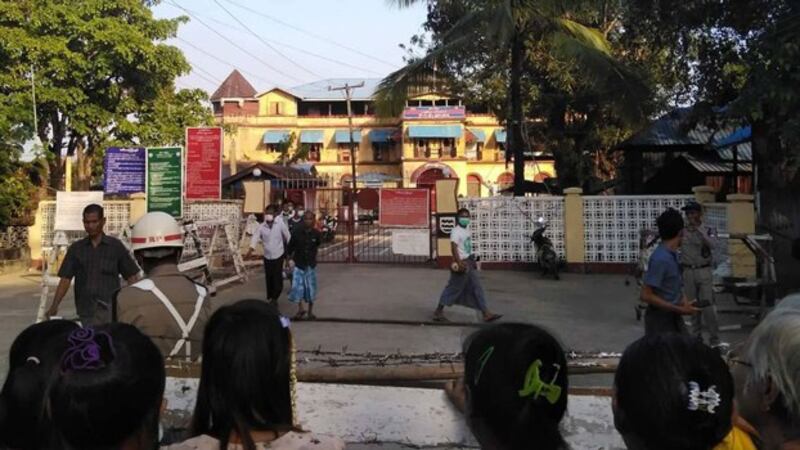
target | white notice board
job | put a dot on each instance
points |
(411, 242)
(69, 208)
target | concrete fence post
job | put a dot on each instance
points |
(573, 226)
(138, 206)
(35, 238)
(741, 220)
(703, 194)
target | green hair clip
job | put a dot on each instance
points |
(483, 360)
(536, 387)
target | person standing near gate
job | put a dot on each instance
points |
(302, 249)
(697, 247)
(274, 235)
(662, 285)
(167, 306)
(96, 262)
(464, 287)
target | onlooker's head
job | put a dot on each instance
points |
(109, 390)
(288, 207)
(463, 217)
(252, 341)
(515, 377)
(309, 219)
(672, 392)
(694, 212)
(93, 220)
(269, 213)
(33, 358)
(670, 224)
(766, 372)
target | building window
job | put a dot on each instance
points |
(422, 148)
(344, 155)
(274, 148)
(275, 108)
(381, 151)
(314, 151)
(448, 148)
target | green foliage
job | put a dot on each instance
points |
(286, 157)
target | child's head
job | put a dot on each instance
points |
(515, 376)
(251, 340)
(33, 358)
(672, 392)
(109, 389)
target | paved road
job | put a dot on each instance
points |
(587, 312)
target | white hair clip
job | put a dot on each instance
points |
(285, 322)
(706, 401)
(33, 359)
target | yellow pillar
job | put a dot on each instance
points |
(138, 206)
(573, 226)
(446, 203)
(741, 220)
(35, 238)
(67, 174)
(703, 194)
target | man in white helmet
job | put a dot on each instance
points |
(166, 306)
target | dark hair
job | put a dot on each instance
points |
(94, 209)
(249, 340)
(270, 207)
(109, 389)
(462, 210)
(497, 360)
(670, 224)
(33, 357)
(652, 393)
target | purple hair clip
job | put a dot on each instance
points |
(85, 352)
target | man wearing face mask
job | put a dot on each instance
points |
(296, 220)
(287, 211)
(274, 235)
(464, 287)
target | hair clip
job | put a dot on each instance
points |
(33, 359)
(703, 400)
(285, 322)
(536, 387)
(84, 352)
(483, 360)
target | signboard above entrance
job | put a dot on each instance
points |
(435, 112)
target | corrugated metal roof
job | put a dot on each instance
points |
(668, 131)
(739, 135)
(745, 151)
(318, 90)
(343, 136)
(434, 131)
(704, 165)
(235, 86)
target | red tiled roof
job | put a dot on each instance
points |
(235, 86)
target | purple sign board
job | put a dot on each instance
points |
(124, 170)
(435, 112)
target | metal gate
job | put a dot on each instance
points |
(359, 237)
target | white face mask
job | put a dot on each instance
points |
(300, 213)
(269, 218)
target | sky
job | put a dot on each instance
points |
(290, 42)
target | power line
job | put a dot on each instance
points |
(264, 41)
(218, 59)
(207, 73)
(314, 35)
(208, 80)
(297, 49)
(242, 49)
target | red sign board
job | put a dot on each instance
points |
(203, 163)
(405, 208)
(434, 112)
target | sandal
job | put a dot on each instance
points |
(312, 317)
(301, 315)
(493, 318)
(440, 318)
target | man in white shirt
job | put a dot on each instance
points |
(274, 235)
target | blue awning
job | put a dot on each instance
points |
(434, 131)
(500, 136)
(381, 135)
(312, 136)
(738, 136)
(480, 136)
(343, 136)
(276, 136)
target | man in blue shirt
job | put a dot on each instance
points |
(662, 287)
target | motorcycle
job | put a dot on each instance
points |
(329, 225)
(545, 252)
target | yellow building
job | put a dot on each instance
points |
(436, 136)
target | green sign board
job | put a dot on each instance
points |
(164, 180)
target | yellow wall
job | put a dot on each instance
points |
(287, 102)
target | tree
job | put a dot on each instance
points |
(489, 36)
(98, 64)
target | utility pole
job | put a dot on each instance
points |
(348, 95)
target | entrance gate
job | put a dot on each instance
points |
(360, 237)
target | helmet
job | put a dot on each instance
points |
(156, 230)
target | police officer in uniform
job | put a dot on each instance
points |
(696, 256)
(166, 306)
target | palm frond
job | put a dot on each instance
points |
(589, 37)
(625, 90)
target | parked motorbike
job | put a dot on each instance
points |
(329, 225)
(545, 252)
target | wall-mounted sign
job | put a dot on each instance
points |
(165, 180)
(435, 112)
(203, 163)
(124, 170)
(404, 208)
(69, 208)
(445, 223)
